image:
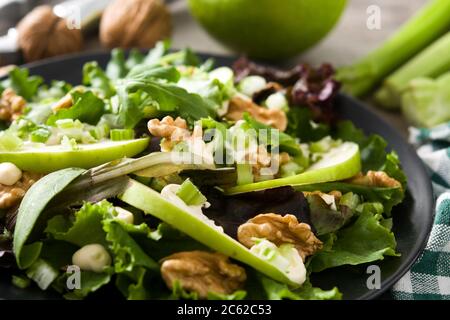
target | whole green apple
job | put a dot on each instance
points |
(268, 29)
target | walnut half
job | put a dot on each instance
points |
(202, 272)
(271, 117)
(375, 179)
(11, 105)
(279, 230)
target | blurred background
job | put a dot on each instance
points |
(327, 35)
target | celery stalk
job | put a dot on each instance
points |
(422, 29)
(431, 62)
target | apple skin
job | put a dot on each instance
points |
(53, 158)
(268, 29)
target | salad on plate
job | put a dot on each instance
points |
(167, 177)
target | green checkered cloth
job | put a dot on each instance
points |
(429, 277)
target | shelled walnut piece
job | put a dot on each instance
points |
(12, 195)
(280, 230)
(271, 117)
(42, 34)
(375, 179)
(171, 130)
(202, 272)
(11, 105)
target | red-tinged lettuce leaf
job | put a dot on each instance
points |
(232, 211)
(368, 239)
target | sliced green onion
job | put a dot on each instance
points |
(121, 134)
(244, 173)
(9, 141)
(20, 281)
(42, 273)
(190, 194)
(40, 135)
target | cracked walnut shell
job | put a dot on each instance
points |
(42, 34)
(135, 23)
(202, 272)
(280, 230)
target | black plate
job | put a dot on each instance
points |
(412, 219)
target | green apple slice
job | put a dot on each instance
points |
(52, 158)
(151, 202)
(339, 163)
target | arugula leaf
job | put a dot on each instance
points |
(366, 240)
(22, 83)
(95, 77)
(117, 66)
(167, 97)
(154, 56)
(135, 57)
(87, 108)
(143, 72)
(34, 203)
(278, 291)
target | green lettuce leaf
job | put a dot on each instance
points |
(22, 83)
(87, 108)
(127, 253)
(278, 291)
(366, 240)
(85, 227)
(388, 197)
(300, 125)
(89, 282)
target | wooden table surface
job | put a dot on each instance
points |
(350, 40)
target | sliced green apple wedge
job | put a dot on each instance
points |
(52, 158)
(151, 202)
(339, 163)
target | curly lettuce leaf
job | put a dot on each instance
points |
(278, 291)
(127, 253)
(368, 239)
(84, 228)
(300, 125)
(89, 282)
(87, 108)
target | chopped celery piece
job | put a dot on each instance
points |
(42, 273)
(190, 194)
(40, 135)
(244, 173)
(9, 141)
(121, 134)
(20, 281)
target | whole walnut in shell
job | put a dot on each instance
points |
(135, 23)
(42, 34)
